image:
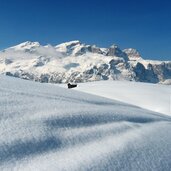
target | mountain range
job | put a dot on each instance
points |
(77, 62)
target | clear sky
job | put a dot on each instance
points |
(141, 24)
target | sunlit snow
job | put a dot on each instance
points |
(46, 127)
(155, 97)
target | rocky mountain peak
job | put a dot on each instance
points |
(133, 54)
(75, 61)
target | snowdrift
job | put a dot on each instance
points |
(155, 97)
(46, 127)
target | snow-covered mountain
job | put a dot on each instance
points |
(77, 62)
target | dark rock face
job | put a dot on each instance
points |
(41, 61)
(115, 62)
(95, 49)
(132, 54)
(92, 49)
(163, 70)
(145, 75)
(151, 76)
(100, 73)
(44, 78)
(140, 72)
(74, 43)
(115, 51)
(82, 51)
(8, 61)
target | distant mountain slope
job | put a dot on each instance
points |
(46, 127)
(75, 61)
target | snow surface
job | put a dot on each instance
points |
(155, 97)
(46, 127)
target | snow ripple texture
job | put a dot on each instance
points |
(46, 127)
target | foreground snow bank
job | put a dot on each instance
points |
(155, 97)
(46, 127)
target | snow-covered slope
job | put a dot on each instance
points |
(77, 62)
(46, 127)
(155, 97)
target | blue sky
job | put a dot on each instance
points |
(141, 24)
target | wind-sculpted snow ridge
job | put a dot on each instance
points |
(77, 62)
(46, 127)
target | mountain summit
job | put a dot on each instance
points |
(75, 61)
